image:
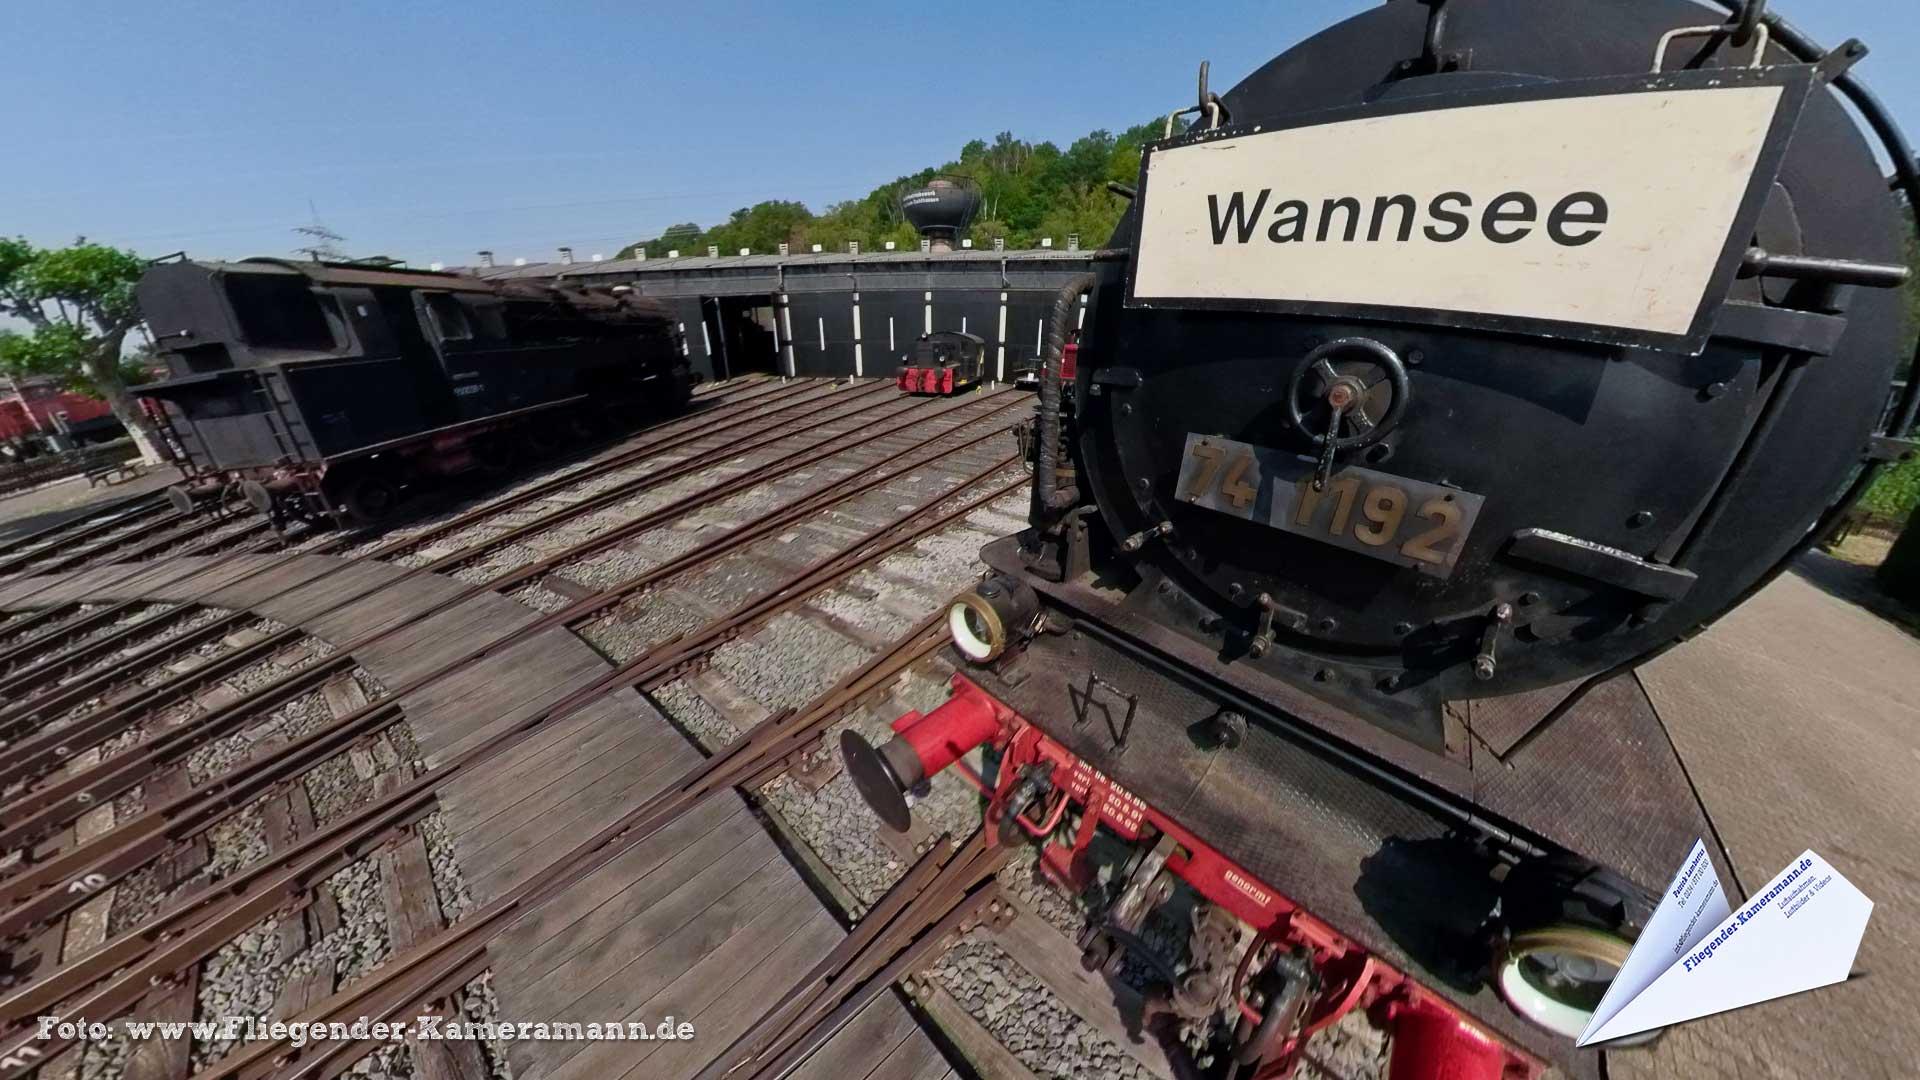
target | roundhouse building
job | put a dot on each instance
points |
(838, 313)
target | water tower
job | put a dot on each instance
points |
(942, 210)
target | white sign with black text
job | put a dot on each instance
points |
(1612, 210)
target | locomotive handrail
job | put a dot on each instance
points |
(1678, 32)
(1906, 173)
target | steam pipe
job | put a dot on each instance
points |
(1050, 497)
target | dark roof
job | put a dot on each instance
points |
(350, 274)
(769, 262)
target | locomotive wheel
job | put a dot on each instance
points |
(370, 499)
(257, 496)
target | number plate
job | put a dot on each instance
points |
(1394, 518)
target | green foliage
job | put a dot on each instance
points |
(78, 305)
(1027, 191)
(1895, 492)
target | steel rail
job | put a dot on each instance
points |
(949, 904)
(13, 632)
(72, 795)
(28, 678)
(85, 524)
(116, 975)
(105, 518)
(76, 793)
(99, 727)
(10, 658)
(200, 522)
(441, 965)
(12, 715)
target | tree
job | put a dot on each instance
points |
(1027, 191)
(78, 305)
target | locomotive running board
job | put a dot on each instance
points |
(1383, 840)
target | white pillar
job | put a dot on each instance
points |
(858, 361)
(786, 333)
(929, 328)
(1000, 361)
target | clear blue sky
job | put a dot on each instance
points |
(430, 130)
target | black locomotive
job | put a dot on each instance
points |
(1457, 361)
(324, 389)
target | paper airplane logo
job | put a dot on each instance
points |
(1698, 955)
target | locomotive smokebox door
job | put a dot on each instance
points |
(1472, 382)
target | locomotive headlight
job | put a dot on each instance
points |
(976, 628)
(1555, 977)
(985, 619)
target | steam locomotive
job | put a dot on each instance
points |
(1460, 359)
(320, 391)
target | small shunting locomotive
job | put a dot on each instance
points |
(328, 390)
(1416, 405)
(945, 363)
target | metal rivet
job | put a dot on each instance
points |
(1529, 599)
(1403, 628)
(1416, 356)
(1325, 674)
(1126, 409)
(1236, 590)
(1327, 626)
(1714, 390)
(1640, 519)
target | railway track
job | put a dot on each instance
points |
(709, 511)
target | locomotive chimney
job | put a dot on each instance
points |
(486, 258)
(566, 256)
(713, 251)
(640, 254)
(927, 245)
(853, 247)
(1073, 241)
(783, 249)
(999, 243)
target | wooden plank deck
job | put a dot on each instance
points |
(706, 921)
